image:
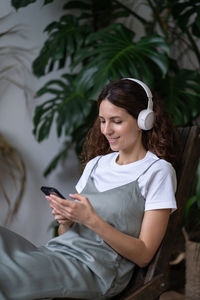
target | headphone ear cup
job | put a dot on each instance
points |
(145, 119)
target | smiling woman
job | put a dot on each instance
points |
(122, 132)
(117, 218)
(133, 99)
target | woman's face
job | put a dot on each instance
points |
(119, 127)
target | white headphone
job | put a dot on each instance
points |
(146, 116)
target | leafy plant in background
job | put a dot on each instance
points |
(12, 60)
(92, 45)
(12, 171)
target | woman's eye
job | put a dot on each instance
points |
(118, 122)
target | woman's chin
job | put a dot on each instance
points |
(114, 147)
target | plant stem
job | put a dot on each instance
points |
(157, 17)
(94, 15)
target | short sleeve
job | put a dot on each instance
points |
(160, 187)
(86, 172)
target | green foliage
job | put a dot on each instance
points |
(186, 10)
(65, 38)
(182, 90)
(92, 44)
(22, 3)
(115, 55)
(68, 106)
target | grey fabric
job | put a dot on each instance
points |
(77, 264)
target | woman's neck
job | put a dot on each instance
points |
(127, 158)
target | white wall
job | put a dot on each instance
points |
(34, 216)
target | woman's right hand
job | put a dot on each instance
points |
(64, 223)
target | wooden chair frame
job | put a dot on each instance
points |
(151, 282)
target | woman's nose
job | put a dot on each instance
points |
(107, 129)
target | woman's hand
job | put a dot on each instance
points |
(57, 216)
(64, 223)
(139, 250)
(66, 210)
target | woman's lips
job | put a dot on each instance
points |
(112, 140)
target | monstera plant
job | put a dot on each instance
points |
(92, 45)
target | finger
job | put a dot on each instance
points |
(65, 206)
(50, 201)
(78, 197)
(58, 209)
(55, 196)
(55, 212)
(61, 222)
(59, 218)
(56, 217)
(63, 213)
(63, 202)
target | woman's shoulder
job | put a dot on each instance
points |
(158, 184)
(160, 166)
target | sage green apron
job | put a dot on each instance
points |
(77, 264)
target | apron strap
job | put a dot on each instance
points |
(148, 168)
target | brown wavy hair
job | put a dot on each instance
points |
(162, 139)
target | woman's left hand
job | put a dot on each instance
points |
(80, 211)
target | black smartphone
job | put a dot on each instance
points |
(47, 190)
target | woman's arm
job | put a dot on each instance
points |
(139, 250)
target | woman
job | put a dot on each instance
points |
(118, 217)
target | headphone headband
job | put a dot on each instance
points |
(145, 118)
(147, 90)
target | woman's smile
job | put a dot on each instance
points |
(119, 128)
(112, 140)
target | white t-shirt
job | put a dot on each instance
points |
(156, 178)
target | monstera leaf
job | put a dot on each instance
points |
(76, 139)
(73, 112)
(68, 107)
(188, 13)
(112, 53)
(113, 56)
(22, 3)
(65, 38)
(67, 35)
(181, 93)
